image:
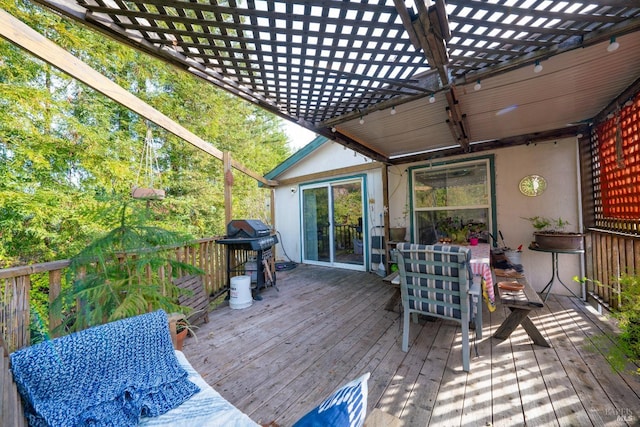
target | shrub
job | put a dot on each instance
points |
(628, 316)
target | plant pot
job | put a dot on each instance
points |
(561, 241)
(180, 337)
(396, 234)
(147, 193)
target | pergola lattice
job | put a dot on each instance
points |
(321, 63)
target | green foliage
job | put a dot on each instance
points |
(627, 342)
(64, 147)
(66, 150)
(347, 203)
(547, 224)
(117, 275)
(38, 331)
(629, 316)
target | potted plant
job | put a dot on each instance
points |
(550, 234)
(476, 231)
(183, 329)
(399, 231)
(123, 273)
(453, 230)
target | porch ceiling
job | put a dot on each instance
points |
(328, 64)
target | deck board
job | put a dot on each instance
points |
(280, 357)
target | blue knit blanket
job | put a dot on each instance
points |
(108, 375)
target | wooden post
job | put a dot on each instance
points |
(55, 284)
(228, 184)
(272, 206)
(385, 204)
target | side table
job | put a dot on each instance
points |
(554, 268)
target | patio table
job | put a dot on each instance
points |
(520, 304)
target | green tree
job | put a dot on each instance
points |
(65, 149)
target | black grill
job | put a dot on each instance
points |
(250, 235)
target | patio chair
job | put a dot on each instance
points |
(436, 280)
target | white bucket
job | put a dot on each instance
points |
(240, 292)
(514, 256)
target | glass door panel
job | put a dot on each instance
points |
(347, 223)
(316, 224)
(332, 222)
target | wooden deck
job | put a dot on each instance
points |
(280, 357)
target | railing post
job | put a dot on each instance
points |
(55, 284)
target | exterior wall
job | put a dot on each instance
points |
(287, 199)
(556, 161)
(328, 156)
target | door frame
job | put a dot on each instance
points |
(329, 183)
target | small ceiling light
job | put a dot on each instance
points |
(613, 45)
(478, 86)
(393, 110)
(361, 120)
(538, 67)
(432, 98)
(333, 129)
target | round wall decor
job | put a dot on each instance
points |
(532, 185)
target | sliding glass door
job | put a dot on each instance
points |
(332, 218)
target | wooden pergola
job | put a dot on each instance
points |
(460, 75)
(329, 65)
(398, 83)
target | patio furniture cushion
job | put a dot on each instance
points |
(347, 406)
(207, 408)
(432, 289)
(437, 280)
(106, 375)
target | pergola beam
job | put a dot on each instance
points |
(17, 32)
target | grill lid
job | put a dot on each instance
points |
(247, 228)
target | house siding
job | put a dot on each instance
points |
(556, 161)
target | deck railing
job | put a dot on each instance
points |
(16, 282)
(609, 255)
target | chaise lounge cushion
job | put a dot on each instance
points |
(346, 407)
(206, 408)
(106, 375)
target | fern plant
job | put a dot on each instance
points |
(123, 273)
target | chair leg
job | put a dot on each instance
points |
(405, 330)
(465, 344)
(479, 319)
